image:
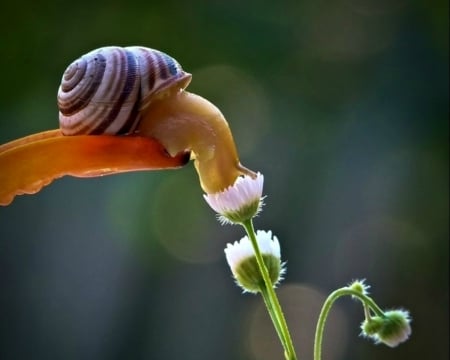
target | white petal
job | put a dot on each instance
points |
(240, 250)
(245, 190)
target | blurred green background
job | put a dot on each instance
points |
(343, 106)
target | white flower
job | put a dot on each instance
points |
(242, 260)
(239, 202)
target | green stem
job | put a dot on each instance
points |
(275, 307)
(366, 300)
(274, 318)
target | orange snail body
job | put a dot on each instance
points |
(134, 92)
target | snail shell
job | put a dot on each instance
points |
(105, 90)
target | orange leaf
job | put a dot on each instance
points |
(32, 162)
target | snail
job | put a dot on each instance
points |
(124, 109)
(105, 90)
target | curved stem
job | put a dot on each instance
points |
(366, 300)
(271, 295)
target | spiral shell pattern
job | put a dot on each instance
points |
(104, 91)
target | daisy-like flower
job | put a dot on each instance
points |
(391, 329)
(242, 261)
(239, 202)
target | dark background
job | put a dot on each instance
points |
(343, 106)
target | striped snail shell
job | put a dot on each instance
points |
(105, 90)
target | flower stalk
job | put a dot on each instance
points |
(270, 297)
(239, 204)
(390, 327)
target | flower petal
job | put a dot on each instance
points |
(239, 202)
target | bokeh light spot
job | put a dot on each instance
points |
(240, 97)
(183, 222)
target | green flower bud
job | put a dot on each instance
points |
(370, 327)
(242, 261)
(360, 286)
(391, 329)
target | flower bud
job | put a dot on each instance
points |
(242, 260)
(391, 329)
(359, 286)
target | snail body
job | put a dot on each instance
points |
(186, 121)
